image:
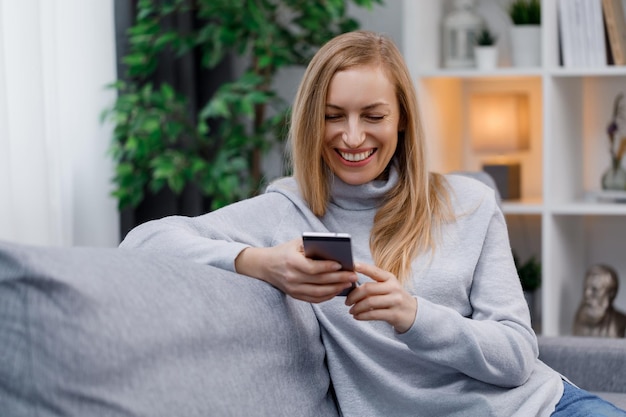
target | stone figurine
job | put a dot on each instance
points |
(596, 315)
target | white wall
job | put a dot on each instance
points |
(56, 56)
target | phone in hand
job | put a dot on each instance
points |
(330, 246)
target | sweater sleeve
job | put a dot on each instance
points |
(215, 238)
(494, 341)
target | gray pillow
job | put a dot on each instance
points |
(114, 332)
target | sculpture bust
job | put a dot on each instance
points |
(596, 315)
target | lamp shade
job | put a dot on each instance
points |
(499, 122)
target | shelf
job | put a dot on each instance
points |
(610, 71)
(474, 73)
(511, 72)
(525, 206)
(567, 229)
(584, 208)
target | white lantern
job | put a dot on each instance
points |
(460, 29)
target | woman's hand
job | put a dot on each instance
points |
(384, 299)
(285, 267)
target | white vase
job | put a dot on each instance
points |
(526, 45)
(486, 57)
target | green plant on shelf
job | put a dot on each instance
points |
(525, 12)
(529, 273)
(485, 37)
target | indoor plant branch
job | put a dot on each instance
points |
(158, 142)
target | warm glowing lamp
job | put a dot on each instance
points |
(499, 125)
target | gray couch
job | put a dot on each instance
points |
(112, 332)
(595, 364)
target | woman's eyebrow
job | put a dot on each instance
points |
(368, 107)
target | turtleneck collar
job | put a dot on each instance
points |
(365, 196)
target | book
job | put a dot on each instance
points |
(570, 33)
(575, 37)
(582, 33)
(596, 45)
(566, 33)
(616, 29)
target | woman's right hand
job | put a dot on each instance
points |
(286, 268)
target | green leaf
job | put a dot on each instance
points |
(132, 144)
(156, 185)
(215, 108)
(124, 169)
(176, 183)
(166, 38)
(167, 91)
(203, 128)
(136, 59)
(259, 97)
(150, 125)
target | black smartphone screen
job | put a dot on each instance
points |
(329, 246)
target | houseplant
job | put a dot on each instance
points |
(159, 143)
(526, 32)
(614, 178)
(529, 273)
(525, 12)
(485, 51)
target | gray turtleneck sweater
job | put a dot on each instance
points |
(471, 350)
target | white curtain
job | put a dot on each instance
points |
(56, 56)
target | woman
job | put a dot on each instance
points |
(438, 325)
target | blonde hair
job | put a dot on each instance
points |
(407, 223)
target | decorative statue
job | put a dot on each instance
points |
(596, 315)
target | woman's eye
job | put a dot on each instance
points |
(374, 117)
(332, 116)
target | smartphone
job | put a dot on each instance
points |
(330, 246)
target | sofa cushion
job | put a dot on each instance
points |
(596, 364)
(593, 363)
(115, 332)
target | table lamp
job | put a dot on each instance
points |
(499, 127)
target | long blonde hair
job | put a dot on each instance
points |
(407, 223)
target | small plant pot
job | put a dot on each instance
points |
(486, 57)
(526, 44)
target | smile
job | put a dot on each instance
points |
(356, 157)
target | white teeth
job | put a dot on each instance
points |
(356, 157)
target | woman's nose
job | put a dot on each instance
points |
(354, 135)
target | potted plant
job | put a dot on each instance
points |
(526, 32)
(158, 143)
(525, 12)
(485, 51)
(529, 274)
(614, 178)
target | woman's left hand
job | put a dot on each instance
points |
(384, 299)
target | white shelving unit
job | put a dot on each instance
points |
(570, 109)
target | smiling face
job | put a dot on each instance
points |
(362, 120)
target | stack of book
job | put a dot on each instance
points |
(592, 33)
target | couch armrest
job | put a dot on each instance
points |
(594, 364)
